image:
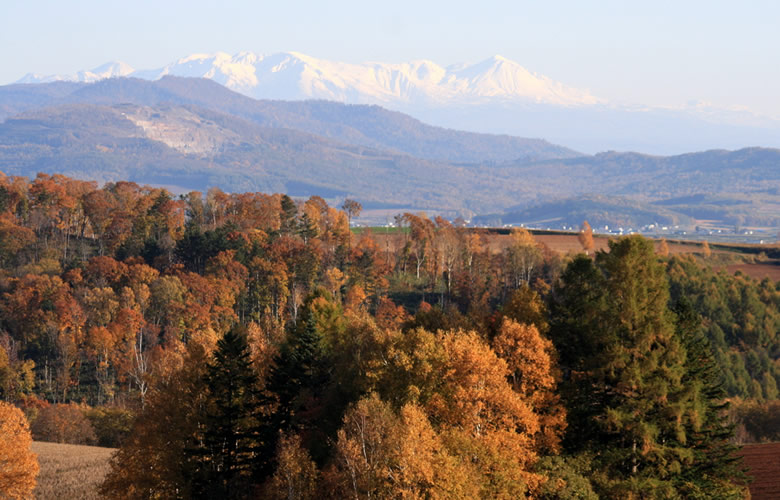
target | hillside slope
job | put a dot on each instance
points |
(359, 125)
(189, 148)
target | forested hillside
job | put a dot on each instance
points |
(357, 125)
(251, 344)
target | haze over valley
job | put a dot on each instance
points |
(193, 133)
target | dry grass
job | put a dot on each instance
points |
(70, 471)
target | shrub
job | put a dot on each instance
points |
(111, 425)
(63, 423)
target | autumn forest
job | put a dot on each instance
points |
(252, 345)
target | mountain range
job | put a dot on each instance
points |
(193, 134)
(294, 76)
(496, 95)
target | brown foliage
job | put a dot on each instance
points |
(149, 463)
(389, 316)
(63, 423)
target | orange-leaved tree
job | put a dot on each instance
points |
(586, 237)
(18, 465)
(530, 358)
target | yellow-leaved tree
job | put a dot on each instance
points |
(530, 359)
(296, 474)
(586, 238)
(381, 453)
(663, 248)
(18, 465)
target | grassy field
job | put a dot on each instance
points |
(70, 471)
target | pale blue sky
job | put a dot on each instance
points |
(655, 52)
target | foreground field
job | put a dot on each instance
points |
(763, 460)
(70, 471)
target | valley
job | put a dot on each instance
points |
(193, 134)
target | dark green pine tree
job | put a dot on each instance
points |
(307, 228)
(295, 386)
(576, 310)
(289, 214)
(716, 471)
(296, 372)
(230, 444)
(628, 366)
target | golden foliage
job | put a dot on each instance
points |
(296, 474)
(705, 249)
(18, 465)
(522, 237)
(531, 365)
(663, 248)
(586, 237)
(385, 455)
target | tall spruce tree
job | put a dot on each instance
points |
(230, 443)
(295, 388)
(716, 471)
(289, 213)
(634, 403)
(575, 314)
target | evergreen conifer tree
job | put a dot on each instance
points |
(230, 442)
(296, 370)
(636, 401)
(289, 213)
(295, 386)
(716, 469)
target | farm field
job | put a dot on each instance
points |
(763, 460)
(70, 471)
(758, 270)
(731, 258)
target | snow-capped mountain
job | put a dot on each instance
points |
(495, 96)
(291, 75)
(108, 70)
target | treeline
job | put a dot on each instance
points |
(264, 347)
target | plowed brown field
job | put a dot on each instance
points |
(757, 270)
(763, 460)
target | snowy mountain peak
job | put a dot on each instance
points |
(108, 70)
(292, 75)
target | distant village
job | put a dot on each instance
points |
(732, 234)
